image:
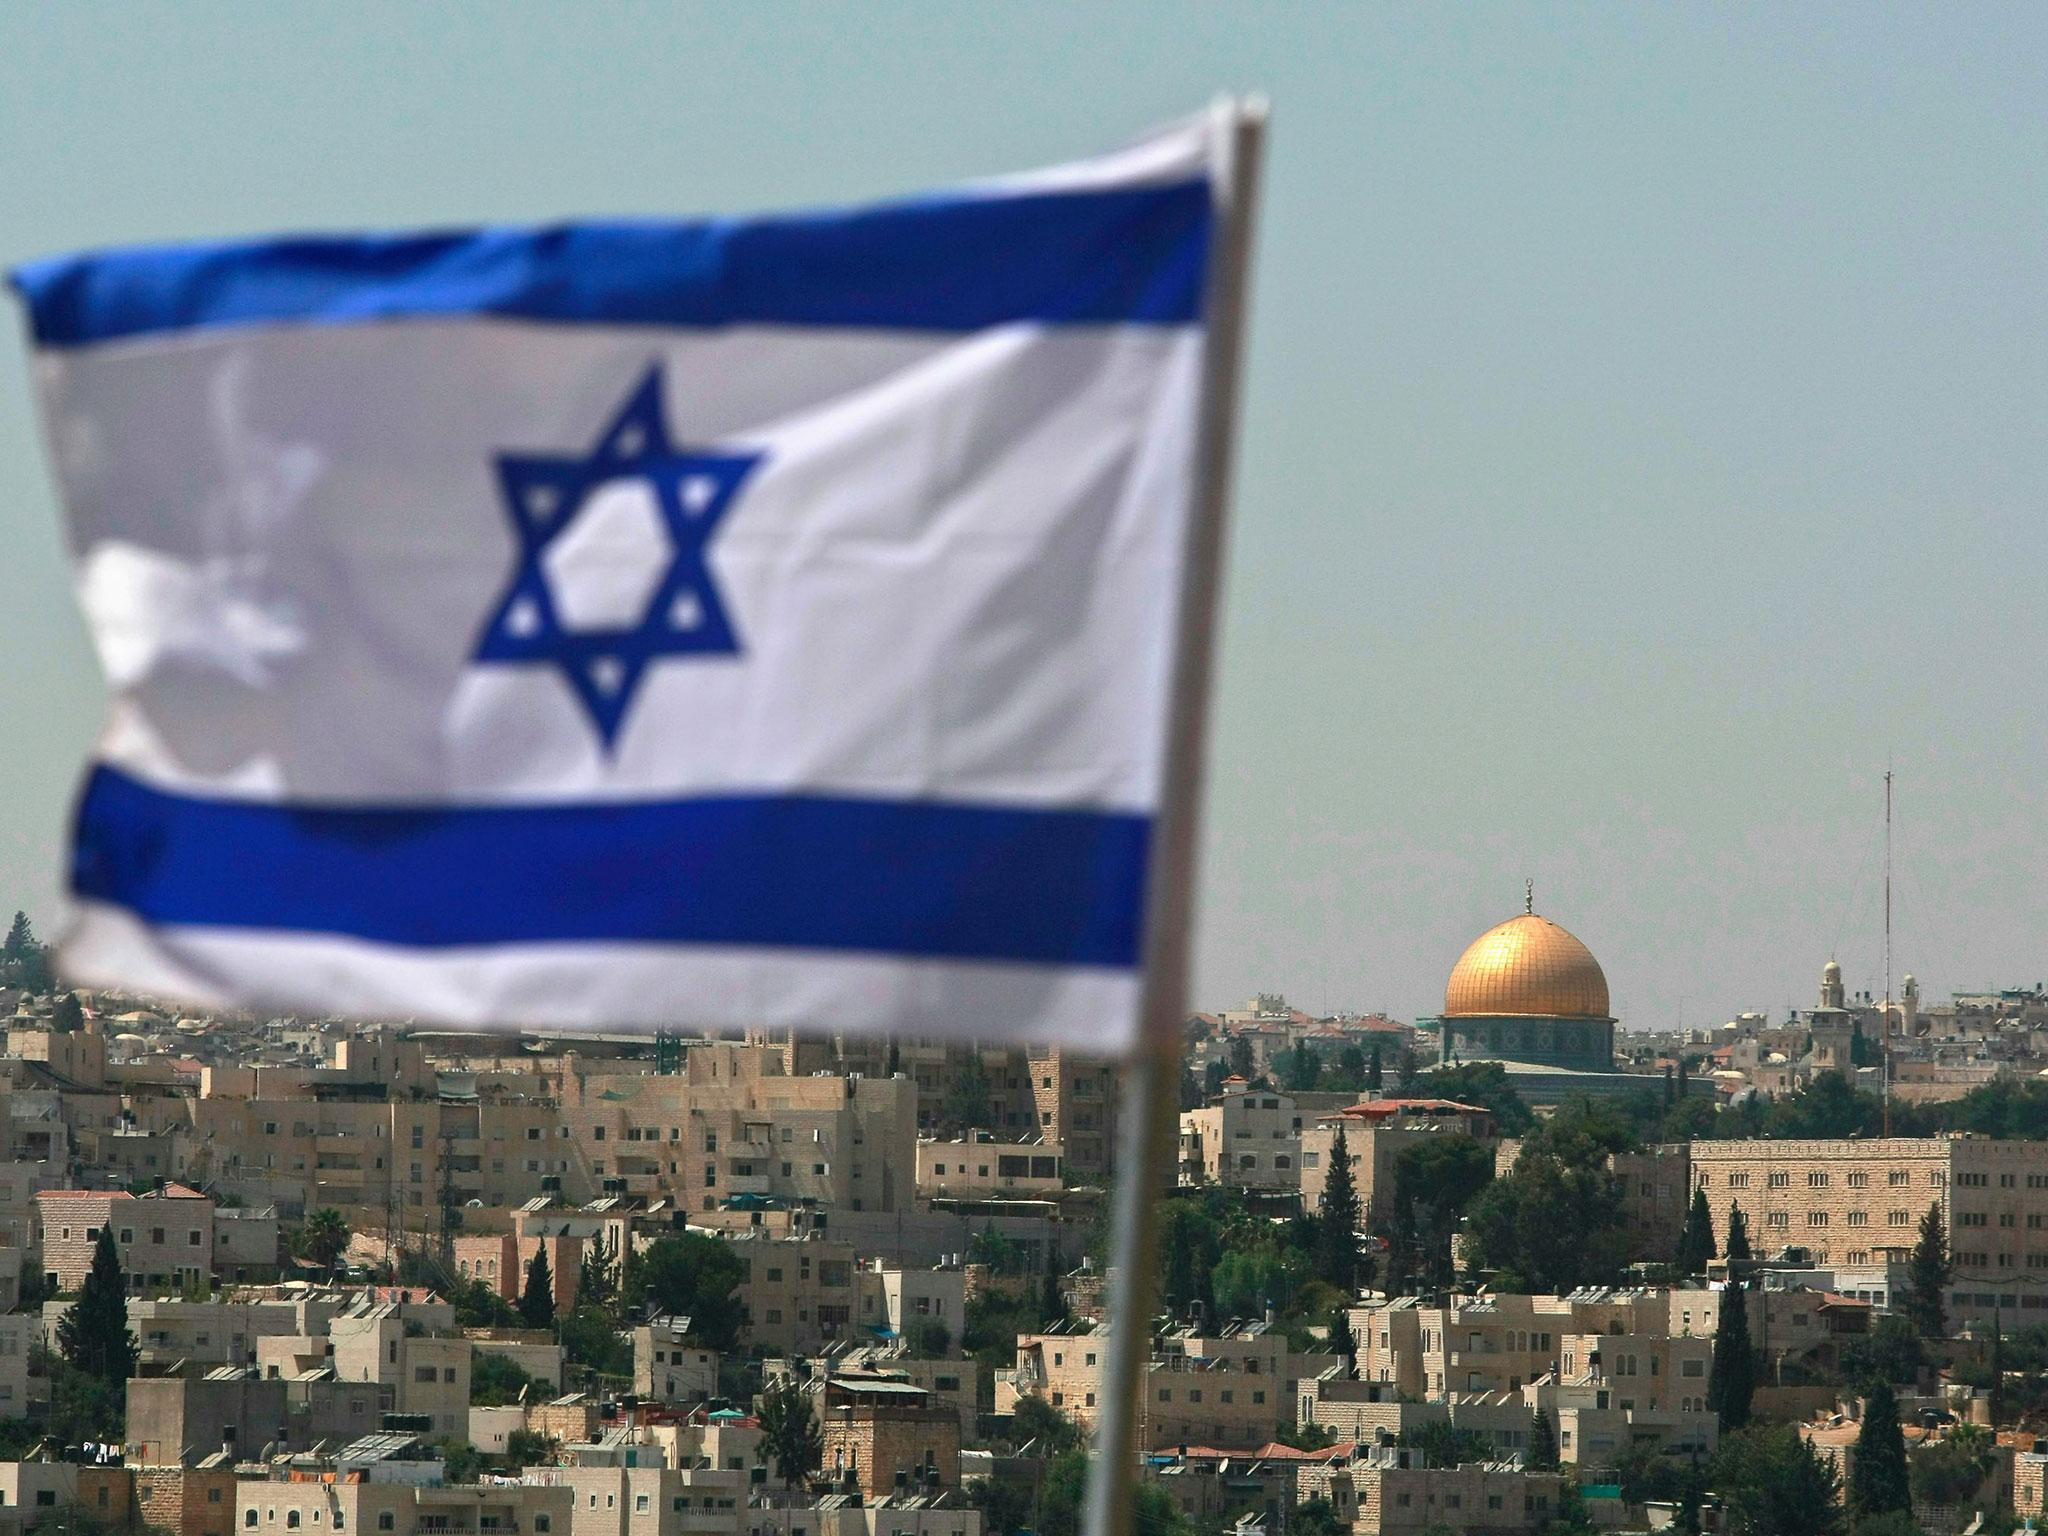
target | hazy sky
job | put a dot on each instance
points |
(1644, 438)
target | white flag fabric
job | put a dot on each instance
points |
(725, 623)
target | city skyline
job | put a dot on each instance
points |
(1637, 453)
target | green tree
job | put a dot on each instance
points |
(1212, 1079)
(1890, 1352)
(1343, 1342)
(1298, 1073)
(1738, 1237)
(1997, 1363)
(461, 1462)
(324, 1238)
(1543, 1443)
(1772, 1483)
(1374, 1072)
(592, 1340)
(1878, 1480)
(537, 1299)
(1485, 1083)
(495, 1380)
(94, 1335)
(1435, 1181)
(1052, 1302)
(1036, 1422)
(1731, 1379)
(1192, 1247)
(1241, 1060)
(990, 1247)
(530, 1448)
(1696, 1244)
(1949, 1471)
(1443, 1445)
(24, 962)
(597, 1279)
(790, 1435)
(1316, 1517)
(1248, 1280)
(691, 1276)
(68, 1017)
(1005, 1505)
(478, 1306)
(1336, 1255)
(929, 1339)
(966, 1104)
(1547, 1227)
(1927, 1277)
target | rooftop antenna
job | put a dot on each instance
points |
(1887, 1013)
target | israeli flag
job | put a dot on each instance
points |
(741, 622)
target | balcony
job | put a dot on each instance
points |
(749, 1184)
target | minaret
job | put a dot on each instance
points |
(1831, 985)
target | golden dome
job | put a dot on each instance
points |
(1527, 965)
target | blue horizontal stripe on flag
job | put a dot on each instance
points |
(1135, 254)
(910, 878)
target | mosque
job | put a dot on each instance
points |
(1527, 994)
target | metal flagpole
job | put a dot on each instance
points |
(1150, 1108)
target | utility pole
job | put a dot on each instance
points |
(1887, 1010)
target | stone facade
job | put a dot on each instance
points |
(187, 1501)
(888, 1438)
(1855, 1202)
(1075, 1098)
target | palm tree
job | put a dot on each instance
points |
(325, 1237)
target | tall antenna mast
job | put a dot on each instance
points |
(1887, 1012)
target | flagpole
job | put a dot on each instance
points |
(1150, 1104)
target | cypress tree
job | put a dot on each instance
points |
(1738, 1237)
(94, 1334)
(1696, 1243)
(1337, 1232)
(1343, 1341)
(1878, 1482)
(1373, 1071)
(1732, 1379)
(1051, 1304)
(1997, 1370)
(1543, 1443)
(537, 1301)
(1927, 1277)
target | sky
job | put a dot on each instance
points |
(1642, 442)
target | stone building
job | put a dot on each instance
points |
(165, 1238)
(1075, 1098)
(887, 1437)
(1858, 1202)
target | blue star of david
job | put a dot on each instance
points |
(604, 661)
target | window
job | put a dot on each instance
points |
(386, 1520)
(249, 1518)
(1897, 1177)
(1859, 1181)
(291, 1519)
(1816, 1181)
(1778, 1180)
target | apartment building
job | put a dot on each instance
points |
(648, 1500)
(165, 1237)
(1075, 1098)
(1858, 1202)
(384, 1506)
(902, 1303)
(1498, 1343)
(427, 1374)
(668, 1367)
(176, 1420)
(1395, 1497)
(1248, 1139)
(1376, 1133)
(1231, 1388)
(981, 1167)
(887, 1437)
(799, 1293)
